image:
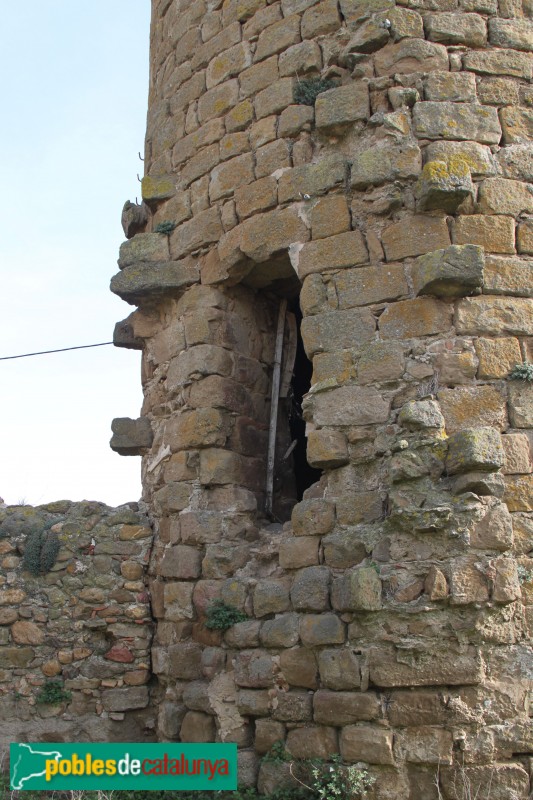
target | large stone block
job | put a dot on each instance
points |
(380, 362)
(272, 232)
(312, 517)
(519, 492)
(321, 629)
(441, 666)
(463, 121)
(144, 247)
(497, 357)
(338, 108)
(517, 125)
(366, 743)
(339, 669)
(414, 236)
(203, 229)
(424, 745)
(496, 234)
(509, 276)
(477, 156)
(226, 177)
(453, 28)
(152, 279)
(513, 33)
(312, 742)
(453, 272)
(473, 407)
(197, 727)
(495, 530)
(329, 216)
(385, 162)
(521, 404)
(459, 87)
(363, 286)
(350, 405)
(344, 548)
(275, 98)
(411, 55)
(495, 315)
(337, 330)
(293, 706)
(326, 449)
(312, 179)
(299, 667)
(302, 551)
(504, 196)
(358, 590)
(310, 589)
(254, 669)
(282, 631)
(277, 37)
(502, 781)
(271, 597)
(414, 318)
(443, 185)
(517, 453)
(498, 62)
(345, 708)
(217, 101)
(474, 449)
(125, 699)
(178, 601)
(131, 437)
(335, 252)
(420, 414)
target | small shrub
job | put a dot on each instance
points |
(333, 780)
(307, 90)
(167, 226)
(40, 553)
(220, 617)
(522, 372)
(524, 575)
(277, 754)
(53, 693)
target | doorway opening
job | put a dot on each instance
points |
(304, 475)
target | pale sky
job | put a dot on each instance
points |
(74, 91)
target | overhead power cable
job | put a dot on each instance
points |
(61, 350)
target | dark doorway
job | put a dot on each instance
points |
(304, 474)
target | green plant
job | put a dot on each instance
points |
(40, 552)
(522, 372)
(335, 781)
(524, 575)
(307, 90)
(167, 226)
(220, 616)
(53, 693)
(277, 754)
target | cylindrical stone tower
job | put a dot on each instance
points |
(355, 175)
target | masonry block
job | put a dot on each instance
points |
(131, 437)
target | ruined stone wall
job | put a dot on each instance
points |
(78, 619)
(373, 158)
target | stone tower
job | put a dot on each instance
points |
(342, 187)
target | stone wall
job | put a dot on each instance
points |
(80, 619)
(373, 158)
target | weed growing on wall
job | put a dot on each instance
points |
(167, 226)
(522, 372)
(220, 617)
(41, 549)
(307, 90)
(53, 693)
